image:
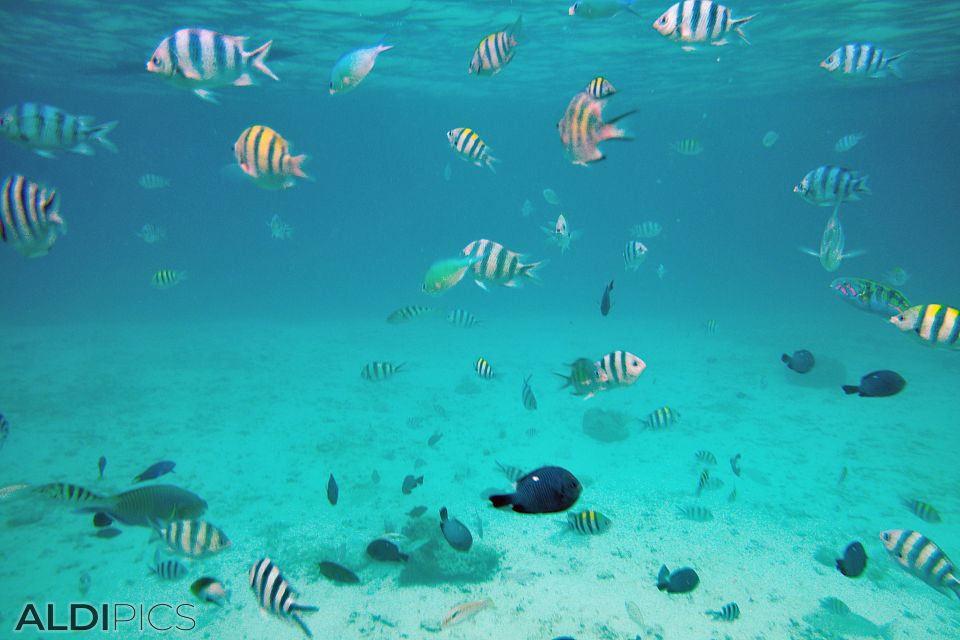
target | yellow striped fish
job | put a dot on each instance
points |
(30, 219)
(600, 87)
(495, 264)
(687, 147)
(167, 278)
(496, 50)
(582, 128)
(264, 155)
(922, 510)
(483, 368)
(408, 313)
(45, 129)
(661, 418)
(588, 522)
(935, 324)
(468, 145)
(194, 538)
(374, 371)
(922, 558)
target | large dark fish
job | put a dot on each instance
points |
(156, 470)
(682, 580)
(878, 384)
(386, 551)
(605, 300)
(333, 491)
(801, 361)
(455, 532)
(854, 560)
(146, 506)
(543, 490)
(337, 573)
(410, 483)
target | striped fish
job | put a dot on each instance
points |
(922, 510)
(600, 88)
(687, 147)
(921, 558)
(496, 50)
(706, 457)
(66, 492)
(526, 395)
(871, 296)
(863, 59)
(588, 522)
(464, 612)
(468, 145)
(496, 264)
(30, 220)
(703, 482)
(712, 327)
(275, 595)
(634, 253)
(4, 430)
(621, 368)
(483, 368)
(728, 612)
(167, 569)
(661, 418)
(848, 142)
(698, 21)
(264, 155)
(585, 377)
(462, 318)
(934, 324)
(513, 473)
(583, 128)
(405, 314)
(167, 278)
(696, 513)
(150, 505)
(201, 59)
(377, 370)
(44, 129)
(151, 181)
(828, 186)
(194, 538)
(648, 229)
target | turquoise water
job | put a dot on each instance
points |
(247, 374)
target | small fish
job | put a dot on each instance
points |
(408, 313)
(101, 520)
(588, 522)
(496, 50)
(101, 463)
(353, 67)
(45, 129)
(152, 233)
(560, 234)
(194, 538)
(583, 128)
(735, 465)
(682, 580)
(513, 473)
(455, 532)
(200, 60)
(543, 490)
(848, 142)
(151, 181)
(461, 318)
(733, 495)
(878, 384)
(854, 560)
(600, 88)
(702, 482)
(551, 197)
(467, 144)
(586, 377)
(434, 439)
(696, 513)
(476, 512)
(169, 569)
(706, 457)
(634, 254)
(921, 558)
(647, 229)
(770, 138)
(375, 477)
(601, 8)
(728, 612)
(275, 595)
(264, 155)
(279, 230)
(863, 59)
(410, 483)
(30, 219)
(5, 433)
(801, 361)
(922, 510)
(699, 21)
(933, 324)
(605, 300)
(416, 512)
(492, 263)
(155, 470)
(712, 326)
(843, 476)
(687, 147)
(464, 612)
(333, 491)
(337, 573)
(483, 368)
(85, 582)
(527, 208)
(211, 590)
(661, 271)
(385, 551)
(661, 418)
(108, 533)
(167, 278)
(526, 395)
(832, 242)
(374, 371)
(829, 186)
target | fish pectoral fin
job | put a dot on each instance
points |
(244, 80)
(207, 96)
(811, 252)
(45, 154)
(853, 254)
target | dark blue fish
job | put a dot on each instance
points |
(385, 551)
(4, 430)
(801, 361)
(682, 580)
(100, 520)
(102, 464)
(605, 300)
(337, 573)
(333, 491)
(156, 470)
(878, 384)
(543, 490)
(455, 532)
(854, 560)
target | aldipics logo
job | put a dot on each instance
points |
(117, 617)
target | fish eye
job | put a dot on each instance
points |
(156, 60)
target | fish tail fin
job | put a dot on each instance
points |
(853, 254)
(383, 47)
(528, 270)
(513, 31)
(738, 26)
(850, 388)
(491, 162)
(862, 186)
(785, 358)
(501, 500)
(258, 58)
(99, 133)
(612, 132)
(207, 96)
(295, 165)
(303, 625)
(567, 380)
(893, 64)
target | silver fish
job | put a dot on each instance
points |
(832, 244)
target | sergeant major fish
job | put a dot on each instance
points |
(862, 59)
(700, 21)
(496, 50)
(526, 395)
(374, 371)
(848, 142)
(829, 185)
(832, 244)
(933, 324)
(264, 155)
(193, 538)
(470, 148)
(167, 278)
(30, 219)
(600, 88)
(274, 594)
(620, 368)
(45, 129)
(497, 264)
(583, 128)
(353, 67)
(601, 8)
(922, 558)
(634, 255)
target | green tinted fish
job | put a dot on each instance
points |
(444, 274)
(66, 492)
(146, 506)
(661, 418)
(696, 513)
(588, 522)
(922, 510)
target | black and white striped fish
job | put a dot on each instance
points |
(44, 129)
(497, 264)
(167, 569)
(600, 87)
(496, 50)
(922, 510)
(934, 324)
(408, 313)
(471, 148)
(648, 229)
(728, 612)
(706, 457)
(167, 278)
(513, 473)
(828, 186)
(275, 595)
(848, 142)
(620, 368)
(698, 21)
(634, 253)
(661, 418)
(194, 538)
(696, 513)
(702, 482)
(30, 220)
(462, 318)
(588, 522)
(483, 368)
(921, 558)
(374, 371)
(863, 59)
(151, 181)
(526, 395)
(201, 59)
(66, 492)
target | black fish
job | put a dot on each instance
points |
(455, 532)
(4, 430)
(416, 512)
(109, 532)
(682, 580)
(410, 483)
(102, 464)
(385, 551)
(333, 491)
(156, 470)
(434, 439)
(878, 384)
(735, 465)
(801, 361)
(605, 300)
(543, 490)
(338, 573)
(854, 560)
(101, 520)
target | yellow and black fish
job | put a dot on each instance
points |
(588, 522)
(661, 418)
(495, 264)
(29, 216)
(483, 368)
(935, 324)
(167, 278)
(922, 510)
(374, 371)
(470, 147)
(922, 558)
(264, 155)
(696, 513)
(600, 87)
(405, 314)
(496, 50)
